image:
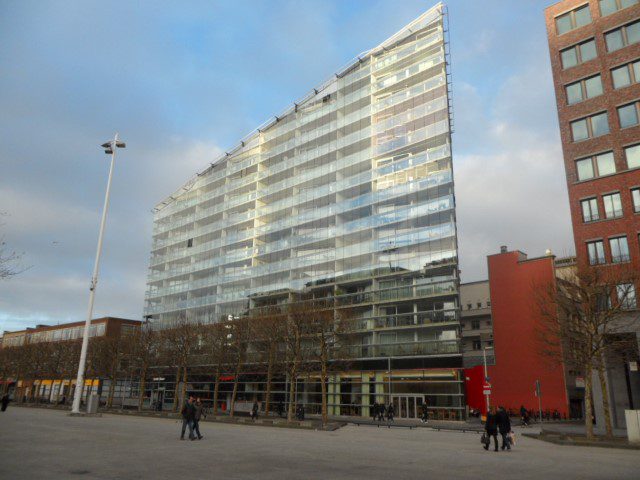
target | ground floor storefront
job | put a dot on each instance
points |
(352, 393)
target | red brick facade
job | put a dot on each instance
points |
(624, 179)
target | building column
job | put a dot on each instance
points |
(364, 402)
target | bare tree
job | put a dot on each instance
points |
(584, 317)
(144, 353)
(180, 342)
(216, 351)
(238, 346)
(9, 259)
(268, 328)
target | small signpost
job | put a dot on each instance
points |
(486, 389)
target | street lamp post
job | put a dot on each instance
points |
(486, 374)
(110, 148)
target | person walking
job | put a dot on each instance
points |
(390, 412)
(491, 427)
(188, 415)
(5, 402)
(374, 411)
(381, 412)
(254, 411)
(425, 411)
(197, 415)
(504, 427)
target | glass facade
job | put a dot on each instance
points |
(346, 195)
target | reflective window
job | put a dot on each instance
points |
(606, 164)
(628, 115)
(600, 124)
(578, 54)
(590, 210)
(621, 77)
(612, 205)
(627, 295)
(579, 130)
(573, 19)
(635, 198)
(619, 249)
(607, 7)
(588, 88)
(596, 252)
(623, 36)
(632, 154)
(585, 169)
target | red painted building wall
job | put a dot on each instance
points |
(512, 280)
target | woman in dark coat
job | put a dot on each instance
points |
(491, 427)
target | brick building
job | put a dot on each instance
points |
(35, 386)
(595, 58)
(500, 317)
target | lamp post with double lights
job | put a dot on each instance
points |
(110, 148)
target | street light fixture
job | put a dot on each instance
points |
(486, 375)
(110, 149)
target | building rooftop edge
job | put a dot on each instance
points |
(396, 37)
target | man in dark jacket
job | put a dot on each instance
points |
(504, 427)
(491, 427)
(198, 414)
(374, 411)
(188, 416)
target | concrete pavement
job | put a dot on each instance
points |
(39, 444)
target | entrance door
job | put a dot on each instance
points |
(408, 406)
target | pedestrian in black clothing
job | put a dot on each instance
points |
(491, 427)
(5, 402)
(254, 411)
(381, 412)
(390, 412)
(504, 427)
(374, 411)
(198, 413)
(188, 415)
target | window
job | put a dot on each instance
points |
(572, 20)
(590, 127)
(190, 243)
(623, 36)
(584, 89)
(628, 115)
(590, 210)
(477, 345)
(596, 166)
(619, 249)
(627, 295)
(626, 74)
(635, 198)
(607, 7)
(475, 324)
(468, 306)
(488, 303)
(632, 154)
(606, 164)
(596, 252)
(479, 304)
(583, 52)
(612, 205)
(585, 169)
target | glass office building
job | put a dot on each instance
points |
(348, 194)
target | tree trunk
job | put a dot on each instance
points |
(605, 398)
(184, 383)
(293, 374)
(216, 390)
(588, 420)
(142, 385)
(267, 405)
(235, 390)
(176, 390)
(323, 389)
(111, 392)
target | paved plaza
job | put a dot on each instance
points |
(39, 444)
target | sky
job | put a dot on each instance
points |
(184, 81)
